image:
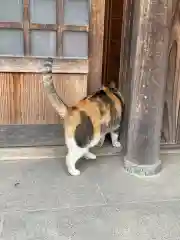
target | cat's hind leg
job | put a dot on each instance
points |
(89, 155)
(72, 157)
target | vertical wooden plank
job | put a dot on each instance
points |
(107, 36)
(112, 41)
(126, 36)
(6, 96)
(171, 119)
(125, 70)
(26, 22)
(169, 115)
(30, 99)
(31, 103)
(59, 22)
(71, 87)
(96, 37)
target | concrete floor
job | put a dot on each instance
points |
(40, 201)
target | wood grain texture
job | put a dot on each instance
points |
(96, 37)
(24, 100)
(11, 25)
(31, 135)
(107, 22)
(35, 65)
(171, 117)
(55, 27)
(6, 98)
(125, 68)
(148, 59)
(126, 35)
(59, 21)
(26, 23)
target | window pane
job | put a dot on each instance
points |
(43, 43)
(11, 42)
(11, 10)
(43, 11)
(75, 44)
(76, 12)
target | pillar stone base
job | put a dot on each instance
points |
(142, 170)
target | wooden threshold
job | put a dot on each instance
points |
(41, 135)
(25, 153)
(18, 142)
(31, 135)
(59, 152)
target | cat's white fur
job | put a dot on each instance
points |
(75, 152)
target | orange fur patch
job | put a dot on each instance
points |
(96, 109)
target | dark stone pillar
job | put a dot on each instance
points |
(148, 64)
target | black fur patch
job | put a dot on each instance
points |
(105, 99)
(109, 103)
(102, 95)
(113, 111)
(84, 131)
(74, 108)
(118, 96)
(48, 65)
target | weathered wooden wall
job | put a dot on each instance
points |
(24, 101)
(171, 117)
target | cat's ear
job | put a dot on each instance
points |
(112, 84)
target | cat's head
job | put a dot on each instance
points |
(112, 88)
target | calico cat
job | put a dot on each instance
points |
(86, 123)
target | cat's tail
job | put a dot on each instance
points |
(47, 80)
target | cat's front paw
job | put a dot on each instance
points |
(117, 144)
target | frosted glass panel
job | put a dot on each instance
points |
(11, 10)
(75, 44)
(76, 12)
(43, 11)
(11, 42)
(43, 43)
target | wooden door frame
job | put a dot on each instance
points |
(106, 46)
(96, 40)
(113, 13)
(52, 134)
